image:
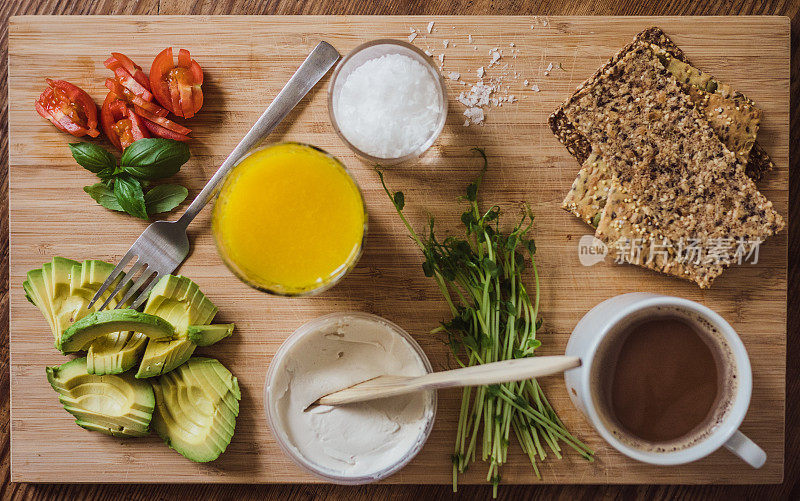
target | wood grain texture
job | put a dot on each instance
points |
(253, 57)
(387, 492)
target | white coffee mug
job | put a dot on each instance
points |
(606, 318)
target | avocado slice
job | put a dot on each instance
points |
(206, 335)
(38, 293)
(196, 408)
(80, 334)
(62, 290)
(118, 405)
(179, 301)
(115, 353)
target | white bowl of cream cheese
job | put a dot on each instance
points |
(356, 443)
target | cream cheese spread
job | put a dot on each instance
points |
(355, 440)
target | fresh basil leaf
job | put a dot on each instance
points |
(164, 197)
(103, 195)
(130, 196)
(107, 173)
(92, 157)
(154, 158)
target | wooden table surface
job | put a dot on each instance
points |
(789, 489)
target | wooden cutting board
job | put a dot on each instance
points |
(246, 61)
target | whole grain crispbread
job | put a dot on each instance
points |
(700, 84)
(673, 179)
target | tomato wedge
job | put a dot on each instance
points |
(125, 94)
(121, 125)
(129, 75)
(178, 87)
(163, 122)
(159, 131)
(118, 59)
(69, 108)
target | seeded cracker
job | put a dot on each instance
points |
(732, 116)
(759, 162)
(673, 179)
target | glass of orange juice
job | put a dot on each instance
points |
(289, 220)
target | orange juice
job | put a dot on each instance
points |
(289, 219)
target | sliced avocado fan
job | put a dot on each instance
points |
(206, 335)
(118, 405)
(100, 323)
(179, 301)
(196, 408)
(62, 290)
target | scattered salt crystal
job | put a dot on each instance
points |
(430, 26)
(495, 57)
(411, 37)
(428, 53)
(511, 44)
(549, 69)
(454, 75)
(479, 95)
(446, 43)
(481, 72)
(412, 30)
(535, 88)
(525, 83)
(469, 38)
(389, 106)
(474, 115)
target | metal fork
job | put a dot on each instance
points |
(164, 245)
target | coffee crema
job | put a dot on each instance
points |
(663, 381)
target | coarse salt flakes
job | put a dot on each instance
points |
(454, 75)
(411, 37)
(480, 71)
(430, 26)
(445, 43)
(389, 106)
(479, 95)
(474, 115)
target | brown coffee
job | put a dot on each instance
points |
(662, 379)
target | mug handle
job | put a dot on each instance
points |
(746, 449)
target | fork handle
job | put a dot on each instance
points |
(316, 65)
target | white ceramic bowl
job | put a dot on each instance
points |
(282, 437)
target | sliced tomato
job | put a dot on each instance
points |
(123, 93)
(118, 59)
(164, 122)
(178, 87)
(138, 129)
(121, 125)
(130, 83)
(69, 108)
(159, 131)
